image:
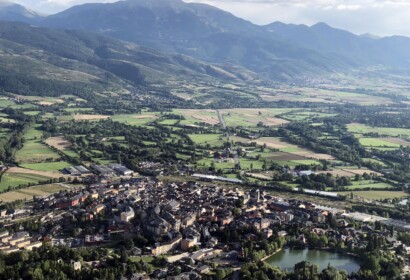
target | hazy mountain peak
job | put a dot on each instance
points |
(10, 11)
(5, 3)
(321, 25)
(370, 36)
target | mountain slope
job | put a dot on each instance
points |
(361, 50)
(197, 30)
(40, 61)
(10, 11)
(277, 50)
(205, 32)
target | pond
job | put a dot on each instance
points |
(287, 258)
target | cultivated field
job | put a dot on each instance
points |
(28, 193)
(34, 172)
(136, 119)
(13, 180)
(251, 117)
(34, 151)
(83, 117)
(207, 116)
(60, 143)
(378, 195)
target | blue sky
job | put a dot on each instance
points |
(379, 17)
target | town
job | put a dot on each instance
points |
(190, 229)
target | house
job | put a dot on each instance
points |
(76, 265)
(164, 248)
(97, 209)
(319, 218)
(158, 226)
(139, 276)
(127, 215)
(188, 243)
(172, 206)
(67, 203)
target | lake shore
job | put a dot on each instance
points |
(274, 253)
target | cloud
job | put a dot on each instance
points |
(380, 17)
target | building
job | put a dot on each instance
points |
(127, 215)
(83, 170)
(103, 170)
(72, 171)
(97, 209)
(158, 226)
(188, 243)
(121, 170)
(67, 203)
(161, 249)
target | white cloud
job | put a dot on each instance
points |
(380, 17)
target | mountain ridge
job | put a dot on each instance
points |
(276, 50)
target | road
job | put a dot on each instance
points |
(221, 119)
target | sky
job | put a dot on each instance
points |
(378, 17)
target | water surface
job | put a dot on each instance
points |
(287, 258)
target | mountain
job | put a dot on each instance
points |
(10, 11)
(359, 50)
(197, 30)
(41, 61)
(275, 51)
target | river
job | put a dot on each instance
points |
(287, 258)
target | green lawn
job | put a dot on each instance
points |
(145, 259)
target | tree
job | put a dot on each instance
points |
(331, 273)
(306, 271)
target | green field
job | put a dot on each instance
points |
(75, 109)
(376, 142)
(6, 103)
(369, 184)
(168, 122)
(138, 119)
(372, 160)
(379, 195)
(389, 131)
(34, 151)
(28, 193)
(46, 166)
(211, 139)
(15, 179)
